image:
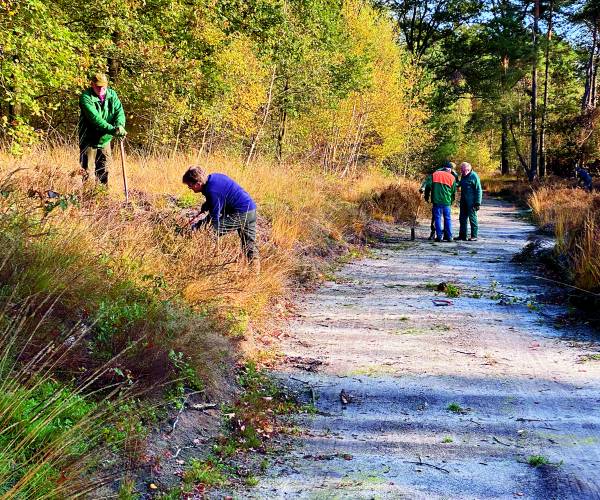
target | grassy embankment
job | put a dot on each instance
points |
(570, 213)
(102, 302)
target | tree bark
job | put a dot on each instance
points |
(546, 84)
(594, 97)
(264, 119)
(504, 165)
(504, 145)
(586, 102)
(112, 63)
(533, 167)
(280, 135)
(282, 127)
(14, 107)
(522, 161)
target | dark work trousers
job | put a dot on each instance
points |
(99, 158)
(468, 213)
(245, 225)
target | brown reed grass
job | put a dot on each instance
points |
(574, 214)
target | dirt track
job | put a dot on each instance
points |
(518, 380)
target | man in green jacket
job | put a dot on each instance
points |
(427, 192)
(442, 186)
(101, 118)
(470, 201)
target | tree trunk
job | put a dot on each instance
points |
(587, 102)
(533, 167)
(594, 97)
(545, 107)
(281, 135)
(267, 108)
(504, 145)
(504, 165)
(14, 106)
(112, 63)
(522, 161)
(282, 126)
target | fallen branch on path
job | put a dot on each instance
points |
(420, 462)
(465, 352)
(501, 442)
(177, 417)
(567, 285)
(202, 407)
(183, 405)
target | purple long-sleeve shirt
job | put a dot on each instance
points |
(224, 196)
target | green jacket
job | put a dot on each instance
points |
(98, 122)
(426, 184)
(442, 186)
(470, 189)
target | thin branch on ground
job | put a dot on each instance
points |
(428, 465)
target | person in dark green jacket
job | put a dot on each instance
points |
(442, 186)
(101, 118)
(470, 201)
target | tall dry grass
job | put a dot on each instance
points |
(399, 202)
(106, 258)
(52, 433)
(134, 279)
(574, 215)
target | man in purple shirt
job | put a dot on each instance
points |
(229, 207)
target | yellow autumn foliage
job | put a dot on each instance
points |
(385, 119)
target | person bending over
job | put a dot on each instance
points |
(229, 207)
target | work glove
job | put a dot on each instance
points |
(121, 132)
(477, 206)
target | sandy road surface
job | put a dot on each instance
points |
(495, 352)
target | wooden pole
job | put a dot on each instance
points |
(124, 171)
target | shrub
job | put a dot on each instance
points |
(401, 201)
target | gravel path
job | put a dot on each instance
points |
(517, 381)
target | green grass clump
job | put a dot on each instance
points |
(188, 199)
(590, 357)
(452, 291)
(455, 408)
(205, 472)
(447, 439)
(537, 460)
(36, 422)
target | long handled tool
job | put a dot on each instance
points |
(124, 171)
